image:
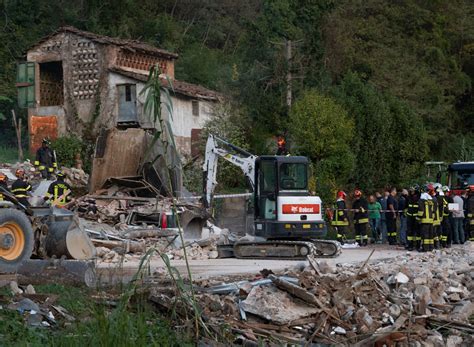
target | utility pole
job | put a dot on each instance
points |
(288, 56)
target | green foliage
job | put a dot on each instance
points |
(414, 50)
(133, 324)
(414, 60)
(230, 124)
(322, 130)
(389, 142)
(66, 149)
(8, 154)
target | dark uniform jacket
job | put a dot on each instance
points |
(20, 189)
(425, 211)
(340, 215)
(362, 215)
(56, 190)
(45, 158)
(412, 208)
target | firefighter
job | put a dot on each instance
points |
(281, 142)
(361, 218)
(470, 213)
(425, 218)
(445, 238)
(438, 213)
(3, 184)
(59, 191)
(391, 217)
(340, 221)
(21, 188)
(413, 235)
(45, 160)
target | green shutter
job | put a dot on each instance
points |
(25, 82)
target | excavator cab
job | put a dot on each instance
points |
(284, 208)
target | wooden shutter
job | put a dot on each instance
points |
(25, 82)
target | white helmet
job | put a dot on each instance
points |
(446, 189)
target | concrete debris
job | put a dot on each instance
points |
(398, 278)
(276, 305)
(30, 290)
(385, 302)
(15, 289)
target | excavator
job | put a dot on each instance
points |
(287, 219)
(37, 241)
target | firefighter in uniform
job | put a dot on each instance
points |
(425, 218)
(413, 235)
(45, 161)
(21, 188)
(340, 221)
(361, 218)
(438, 214)
(59, 191)
(470, 213)
(3, 184)
(445, 238)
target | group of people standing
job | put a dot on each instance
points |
(58, 191)
(420, 218)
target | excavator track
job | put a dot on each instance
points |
(282, 249)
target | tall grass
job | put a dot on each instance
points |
(8, 154)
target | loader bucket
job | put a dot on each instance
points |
(66, 237)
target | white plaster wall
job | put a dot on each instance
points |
(183, 119)
(182, 122)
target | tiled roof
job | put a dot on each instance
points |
(124, 43)
(179, 87)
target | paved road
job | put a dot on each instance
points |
(217, 267)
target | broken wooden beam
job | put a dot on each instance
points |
(128, 246)
(143, 233)
(114, 197)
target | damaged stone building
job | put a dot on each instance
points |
(75, 82)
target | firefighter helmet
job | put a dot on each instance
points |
(3, 177)
(428, 187)
(341, 195)
(357, 193)
(19, 173)
(46, 141)
(60, 174)
(446, 189)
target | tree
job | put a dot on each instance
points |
(390, 139)
(322, 130)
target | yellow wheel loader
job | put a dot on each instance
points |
(43, 241)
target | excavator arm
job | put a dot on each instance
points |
(215, 148)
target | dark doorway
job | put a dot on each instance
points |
(51, 84)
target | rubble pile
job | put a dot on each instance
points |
(38, 310)
(76, 178)
(413, 300)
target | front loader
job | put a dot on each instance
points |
(35, 240)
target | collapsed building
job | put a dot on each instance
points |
(81, 83)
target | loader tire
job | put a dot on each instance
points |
(16, 239)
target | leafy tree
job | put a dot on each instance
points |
(389, 142)
(321, 129)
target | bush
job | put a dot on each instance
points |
(66, 149)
